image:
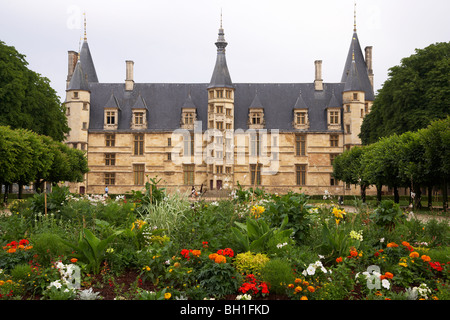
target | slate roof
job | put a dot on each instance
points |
(164, 101)
(78, 80)
(359, 67)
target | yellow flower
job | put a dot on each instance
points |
(167, 295)
(414, 254)
(298, 289)
(2, 282)
(403, 264)
(304, 298)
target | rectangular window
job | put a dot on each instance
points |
(300, 144)
(332, 181)
(256, 118)
(332, 157)
(169, 142)
(110, 117)
(138, 170)
(189, 118)
(227, 169)
(219, 169)
(228, 126)
(254, 144)
(110, 159)
(110, 140)
(255, 171)
(228, 112)
(169, 156)
(84, 125)
(300, 118)
(219, 125)
(138, 144)
(219, 93)
(138, 118)
(347, 128)
(334, 140)
(300, 174)
(228, 94)
(211, 94)
(355, 96)
(219, 109)
(189, 174)
(110, 179)
(334, 117)
(188, 143)
(85, 106)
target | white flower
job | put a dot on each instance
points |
(57, 284)
(385, 283)
(311, 270)
(244, 297)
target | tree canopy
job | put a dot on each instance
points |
(413, 159)
(26, 156)
(26, 98)
(415, 93)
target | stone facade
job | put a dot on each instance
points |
(215, 135)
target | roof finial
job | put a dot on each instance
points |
(85, 37)
(221, 18)
(354, 18)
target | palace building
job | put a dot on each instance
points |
(217, 134)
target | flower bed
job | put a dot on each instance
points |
(250, 247)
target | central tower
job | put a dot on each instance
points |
(221, 120)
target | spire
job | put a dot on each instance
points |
(85, 37)
(354, 18)
(356, 67)
(221, 75)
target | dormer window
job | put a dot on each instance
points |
(111, 119)
(334, 118)
(301, 121)
(256, 118)
(188, 118)
(75, 95)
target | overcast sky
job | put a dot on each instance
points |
(173, 40)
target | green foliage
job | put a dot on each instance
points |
(250, 263)
(218, 279)
(278, 274)
(90, 249)
(48, 246)
(416, 93)
(255, 235)
(387, 214)
(24, 94)
(295, 207)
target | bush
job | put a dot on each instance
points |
(249, 263)
(387, 214)
(278, 274)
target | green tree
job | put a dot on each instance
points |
(436, 143)
(26, 98)
(416, 93)
(347, 167)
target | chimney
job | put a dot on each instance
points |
(368, 52)
(318, 85)
(73, 58)
(129, 82)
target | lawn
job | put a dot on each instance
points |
(151, 245)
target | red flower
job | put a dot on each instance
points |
(435, 265)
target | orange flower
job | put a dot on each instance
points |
(290, 286)
(311, 289)
(353, 253)
(414, 254)
(339, 259)
(388, 275)
(11, 250)
(406, 244)
(392, 245)
(304, 298)
(73, 260)
(196, 253)
(220, 259)
(213, 256)
(298, 289)
(298, 280)
(425, 258)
